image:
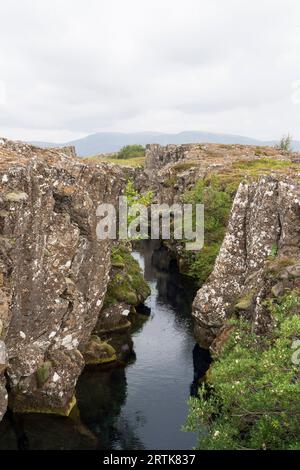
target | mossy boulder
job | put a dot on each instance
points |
(99, 352)
(127, 284)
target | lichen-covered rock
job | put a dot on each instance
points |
(261, 247)
(53, 270)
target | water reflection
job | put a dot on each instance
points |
(44, 432)
(101, 395)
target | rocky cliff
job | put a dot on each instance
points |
(260, 255)
(53, 271)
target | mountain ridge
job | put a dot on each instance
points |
(107, 142)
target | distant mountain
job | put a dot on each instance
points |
(105, 142)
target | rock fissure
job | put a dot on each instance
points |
(55, 273)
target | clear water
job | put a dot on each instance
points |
(141, 406)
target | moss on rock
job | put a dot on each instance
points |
(18, 404)
(127, 283)
(99, 352)
(43, 373)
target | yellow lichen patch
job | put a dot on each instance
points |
(245, 302)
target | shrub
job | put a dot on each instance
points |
(254, 402)
(285, 143)
(131, 151)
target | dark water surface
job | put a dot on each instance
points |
(141, 406)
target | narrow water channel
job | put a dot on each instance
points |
(142, 405)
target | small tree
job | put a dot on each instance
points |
(285, 143)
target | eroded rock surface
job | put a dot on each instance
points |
(53, 270)
(259, 257)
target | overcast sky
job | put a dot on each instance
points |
(73, 67)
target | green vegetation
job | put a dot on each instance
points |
(43, 373)
(263, 164)
(274, 252)
(255, 387)
(217, 198)
(131, 151)
(99, 352)
(134, 197)
(127, 283)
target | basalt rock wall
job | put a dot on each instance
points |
(259, 257)
(53, 271)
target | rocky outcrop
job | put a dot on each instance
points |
(259, 257)
(53, 271)
(172, 169)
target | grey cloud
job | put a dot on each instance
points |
(112, 65)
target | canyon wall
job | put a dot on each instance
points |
(259, 257)
(53, 271)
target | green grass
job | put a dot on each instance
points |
(264, 164)
(130, 162)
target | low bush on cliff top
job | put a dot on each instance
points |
(131, 151)
(254, 402)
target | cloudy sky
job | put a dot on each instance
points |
(73, 67)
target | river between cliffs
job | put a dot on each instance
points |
(142, 405)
